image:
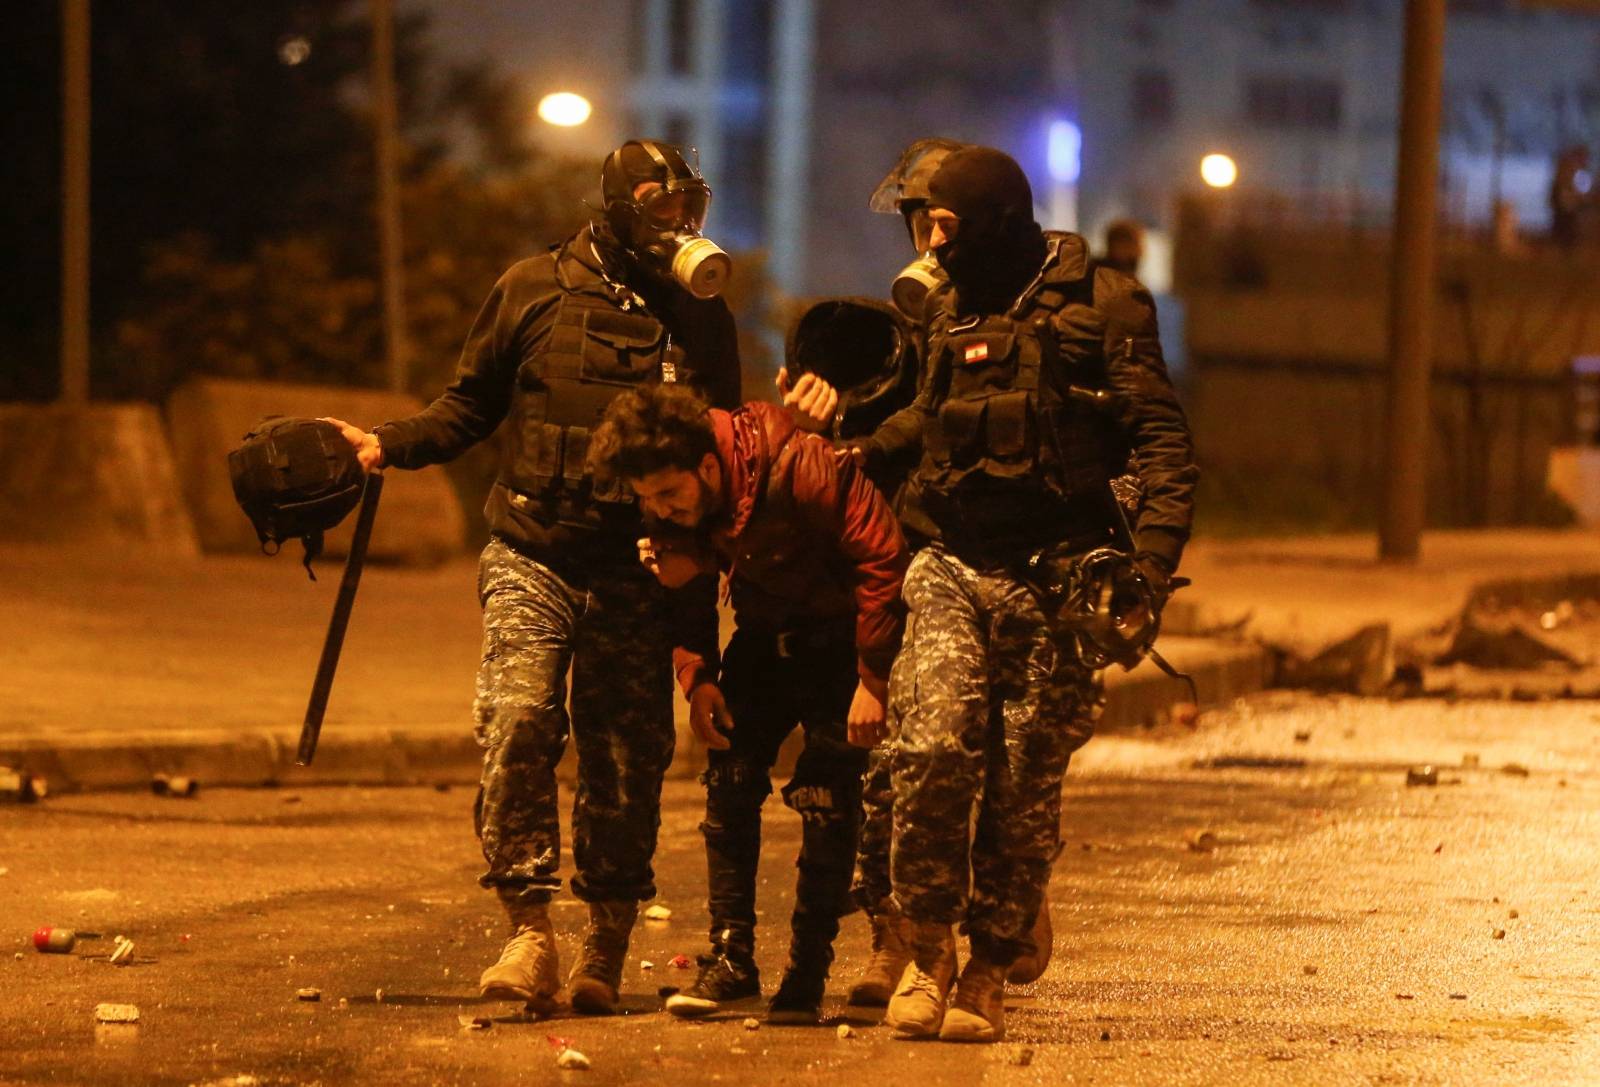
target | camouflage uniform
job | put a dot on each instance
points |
(987, 705)
(619, 641)
(870, 886)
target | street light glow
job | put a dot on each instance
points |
(564, 108)
(1218, 170)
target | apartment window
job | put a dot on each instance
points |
(749, 41)
(680, 37)
(1326, 7)
(1294, 102)
(1152, 105)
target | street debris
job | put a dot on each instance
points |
(1503, 642)
(1458, 996)
(1405, 996)
(116, 1013)
(1469, 761)
(474, 1022)
(1357, 664)
(1513, 914)
(1203, 842)
(1422, 775)
(308, 994)
(567, 1057)
(681, 962)
(1022, 1058)
(658, 913)
(122, 953)
(1302, 736)
(845, 1032)
(1309, 969)
(1556, 616)
(646, 964)
(1514, 769)
(54, 941)
(752, 1023)
(174, 786)
(1499, 934)
(1186, 714)
(1105, 1036)
(21, 787)
(378, 996)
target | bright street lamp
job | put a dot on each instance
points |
(1218, 170)
(564, 109)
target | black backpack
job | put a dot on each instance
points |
(295, 478)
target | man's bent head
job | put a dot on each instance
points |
(659, 440)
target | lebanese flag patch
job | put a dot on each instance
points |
(976, 352)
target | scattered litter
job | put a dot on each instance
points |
(845, 1031)
(1513, 914)
(1186, 714)
(1422, 775)
(1439, 848)
(1308, 969)
(184, 937)
(3, 871)
(752, 1024)
(116, 1013)
(54, 941)
(1499, 934)
(122, 954)
(441, 786)
(344, 1003)
(310, 994)
(1553, 618)
(291, 800)
(681, 962)
(646, 964)
(572, 1060)
(1514, 769)
(1303, 736)
(1458, 996)
(658, 913)
(1022, 1058)
(1105, 1036)
(1405, 996)
(17, 955)
(174, 785)
(378, 996)
(1203, 842)
(1470, 762)
(474, 1022)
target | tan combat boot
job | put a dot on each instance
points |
(597, 974)
(916, 1010)
(529, 969)
(891, 951)
(1031, 967)
(978, 1010)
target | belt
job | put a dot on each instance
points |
(792, 643)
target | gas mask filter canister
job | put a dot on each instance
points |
(912, 284)
(701, 266)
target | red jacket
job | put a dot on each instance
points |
(802, 537)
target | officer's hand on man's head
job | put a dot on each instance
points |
(368, 450)
(865, 724)
(709, 717)
(811, 400)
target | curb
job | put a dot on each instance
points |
(98, 761)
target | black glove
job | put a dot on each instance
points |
(1158, 575)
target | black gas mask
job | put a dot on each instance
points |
(905, 191)
(661, 229)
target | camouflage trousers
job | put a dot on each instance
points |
(617, 640)
(986, 706)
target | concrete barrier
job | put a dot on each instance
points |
(419, 523)
(90, 475)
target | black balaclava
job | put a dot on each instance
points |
(998, 248)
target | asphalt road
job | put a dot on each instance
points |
(1343, 928)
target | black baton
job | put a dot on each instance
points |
(342, 605)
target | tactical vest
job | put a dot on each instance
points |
(1006, 428)
(595, 351)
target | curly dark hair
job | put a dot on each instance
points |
(651, 428)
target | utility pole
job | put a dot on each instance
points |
(74, 387)
(391, 255)
(1411, 288)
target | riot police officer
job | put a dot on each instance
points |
(630, 299)
(1010, 458)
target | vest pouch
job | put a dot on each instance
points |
(621, 347)
(959, 441)
(541, 457)
(1011, 433)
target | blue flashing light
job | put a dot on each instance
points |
(1064, 152)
